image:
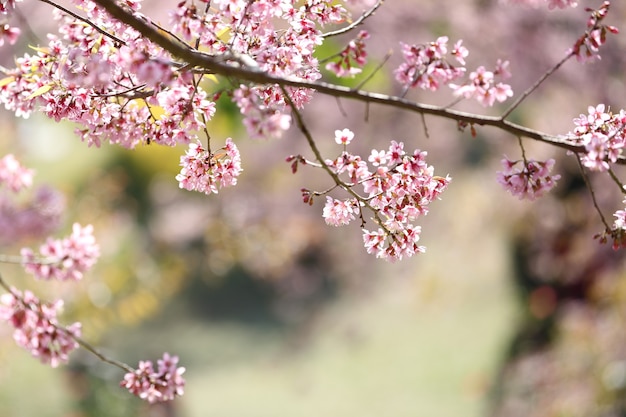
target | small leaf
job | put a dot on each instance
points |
(41, 90)
(6, 81)
(45, 51)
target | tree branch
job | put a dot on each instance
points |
(356, 23)
(229, 66)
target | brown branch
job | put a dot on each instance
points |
(536, 85)
(227, 65)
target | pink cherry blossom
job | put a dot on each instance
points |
(9, 33)
(7, 6)
(460, 52)
(397, 191)
(531, 181)
(64, 259)
(427, 67)
(163, 384)
(13, 175)
(618, 232)
(601, 132)
(352, 54)
(204, 171)
(338, 212)
(588, 45)
(482, 85)
(36, 328)
(344, 137)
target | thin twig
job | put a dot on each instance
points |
(425, 126)
(340, 107)
(356, 23)
(593, 194)
(521, 145)
(536, 85)
(82, 19)
(369, 77)
(318, 155)
(617, 181)
(101, 356)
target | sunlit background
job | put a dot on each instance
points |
(513, 311)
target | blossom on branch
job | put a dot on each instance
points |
(398, 190)
(588, 45)
(14, 175)
(354, 52)
(602, 134)
(344, 137)
(64, 259)
(9, 33)
(531, 181)
(7, 6)
(482, 85)
(204, 171)
(36, 327)
(163, 384)
(425, 66)
(338, 212)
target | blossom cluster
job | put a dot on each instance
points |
(397, 188)
(482, 85)
(527, 179)
(36, 215)
(64, 259)
(352, 54)
(35, 323)
(617, 232)
(426, 66)
(276, 37)
(36, 327)
(602, 134)
(587, 46)
(14, 175)
(204, 171)
(162, 384)
(118, 86)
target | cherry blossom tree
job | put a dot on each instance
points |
(124, 79)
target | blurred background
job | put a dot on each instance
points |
(514, 310)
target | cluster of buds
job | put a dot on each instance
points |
(529, 182)
(352, 54)
(35, 323)
(36, 327)
(397, 189)
(163, 384)
(204, 171)
(482, 85)
(64, 259)
(426, 66)
(587, 46)
(602, 134)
